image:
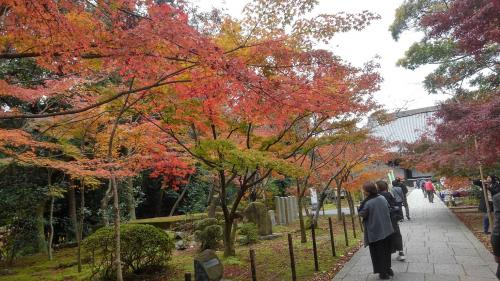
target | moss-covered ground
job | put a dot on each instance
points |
(272, 259)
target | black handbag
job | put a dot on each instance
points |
(396, 213)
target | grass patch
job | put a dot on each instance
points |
(39, 268)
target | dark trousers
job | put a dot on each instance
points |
(495, 243)
(380, 252)
(430, 196)
(407, 210)
(396, 238)
(486, 222)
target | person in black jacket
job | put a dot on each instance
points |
(396, 214)
(492, 185)
(375, 211)
(399, 182)
(495, 234)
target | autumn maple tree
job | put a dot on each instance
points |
(124, 86)
(462, 39)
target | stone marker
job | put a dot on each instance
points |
(287, 210)
(207, 266)
(276, 206)
(256, 212)
(295, 204)
(272, 216)
(179, 235)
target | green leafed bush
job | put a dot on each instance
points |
(208, 232)
(143, 248)
(250, 233)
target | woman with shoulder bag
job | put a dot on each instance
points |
(378, 229)
(396, 216)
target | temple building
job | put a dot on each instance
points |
(405, 127)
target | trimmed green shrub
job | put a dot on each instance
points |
(250, 233)
(143, 248)
(208, 232)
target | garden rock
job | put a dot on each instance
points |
(179, 235)
(207, 266)
(256, 212)
(180, 245)
(271, 236)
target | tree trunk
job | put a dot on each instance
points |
(159, 203)
(303, 236)
(350, 201)
(42, 245)
(228, 238)
(339, 205)
(72, 212)
(104, 205)
(116, 208)
(321, 200)
(51, 225)
(212, 203)
(130, 198)
(80, 227)
(114, 187)
(178, 200)
(74, 221)
(51, 214)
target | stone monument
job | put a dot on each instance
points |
(256, 212)
(272, 216)
(287, 210)
(207, 266)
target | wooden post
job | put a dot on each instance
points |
(332, 237)
(315, 250)
(345, 229)
(353, 225)
(292, 257)
(187, 276)
(252, 264)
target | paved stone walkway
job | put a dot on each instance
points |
(437, 246)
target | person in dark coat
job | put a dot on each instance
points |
(396, 213)
(495, 233)
(421, 184)
(403, 186)
(492, 185)
(398, 194)
(378, 229)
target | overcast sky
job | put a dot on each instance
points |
(401, 88)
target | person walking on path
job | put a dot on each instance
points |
(430, 190)
(492, 185)
(378, 229)
(495, 233)
(421, 185)
(404, 188)
(398, 194)
(396, 215)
